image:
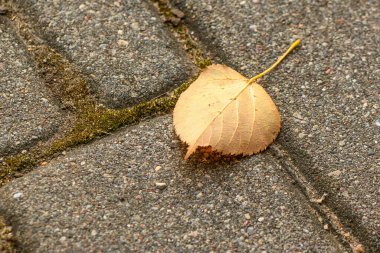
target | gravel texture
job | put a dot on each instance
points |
(122, 46)
(26, 112)
(6, 243)
(133, 192)
(327, 91)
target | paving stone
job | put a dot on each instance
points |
(27, 113)
(327, 91)
(103, 197)
(122, 46)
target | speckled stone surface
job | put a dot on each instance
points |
(133, 192)
(122, 46)
(27, 113)
(327, 90)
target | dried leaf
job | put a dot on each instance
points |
(227, 111)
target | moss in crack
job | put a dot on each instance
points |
(6, 238)
(13, 166)
(19, 161)
(97, 121)
(192, 48)
(182, 34)
(71, 88)
(91, 123)
(66, 83)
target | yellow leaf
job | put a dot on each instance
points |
(227, 111)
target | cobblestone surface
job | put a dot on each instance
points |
(27, 113)
(328, 92)
(133, 191)
(123, 46)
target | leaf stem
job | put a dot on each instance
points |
(276, 63)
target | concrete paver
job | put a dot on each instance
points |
(122, 46)
(328, 91)
(27, 113)
(132, 191)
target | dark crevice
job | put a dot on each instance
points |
(319, 181)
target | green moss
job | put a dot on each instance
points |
(94, 122)
(20, 161)
(71, 88)
(202, 63)
(6, 238)
(12, 165)
(67, 83)
(183, 35)
(91, 123)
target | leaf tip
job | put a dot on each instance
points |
(190, 150)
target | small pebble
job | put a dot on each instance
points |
(135, 26)
(193, 234)
(160, 185)
(247, 216)
(261, 219)
(17, 195)
(335, 173)
(250, 230)
(253, 27)
(377, 122)
(62, 239)
(157, 168)
(178, 13)
(297, 115)
(122, 43)
(301, 135)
